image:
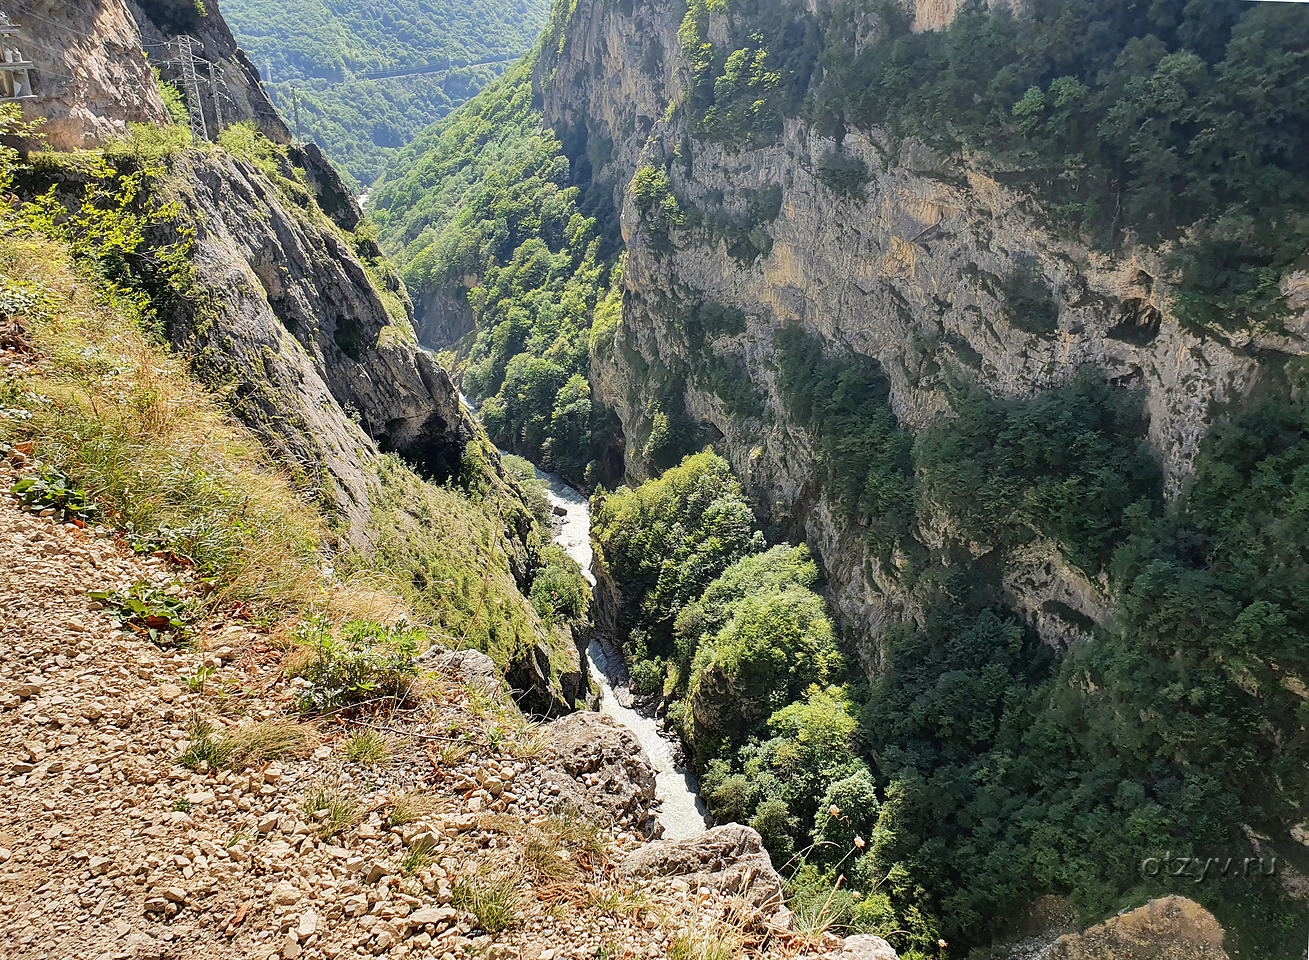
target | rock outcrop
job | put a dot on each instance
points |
(91, 78)
(600, 770)
(473, 667)
(306, 336)
(729, 859)
(866, 946)
(1170, 928)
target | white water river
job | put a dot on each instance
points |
(681, 811)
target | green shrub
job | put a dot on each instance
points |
(667, 539)
(173, 100)
(1069, 464)
(52, 489)
(844, 402)
(533, 489)
(243, 140)
(358, 664)
(648, 676)
(653, 195)
(161, 617)
(146, 142)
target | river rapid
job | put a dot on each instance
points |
(681, 811)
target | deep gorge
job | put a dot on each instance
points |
(892, 414)
(999, 422)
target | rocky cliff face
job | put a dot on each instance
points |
(91, 78)
(311, 336)
(303, 326)
(289, 318)
(93, 67)
(910, 270)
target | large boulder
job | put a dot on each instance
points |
(473, 667)
(865, 946)
(1170, 928)
(600, 769)
(730, 858)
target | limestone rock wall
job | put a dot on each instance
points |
(91, 77)
(910, 271)
(303, 336)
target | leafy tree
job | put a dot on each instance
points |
(669, 538)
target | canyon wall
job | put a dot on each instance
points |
(910, 269)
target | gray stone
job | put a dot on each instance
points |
(866, 946)
(730, 858)
(599, 768)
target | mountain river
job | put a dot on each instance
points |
(681, 811)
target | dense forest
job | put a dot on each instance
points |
(993, 771)
(978, 768)
(490, 195)
(366, 79)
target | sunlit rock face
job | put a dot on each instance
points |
(914, 270)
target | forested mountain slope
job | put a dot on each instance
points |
(369, 77)
(1003, 315)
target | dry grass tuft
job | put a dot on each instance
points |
(616, 901)
(706, 940)
(546, 857)
(332, 811)
(254, 743)
(409, 808)
(368, 746)
(493, 900)
(244, 745)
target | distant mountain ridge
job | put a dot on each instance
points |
(369, 78)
